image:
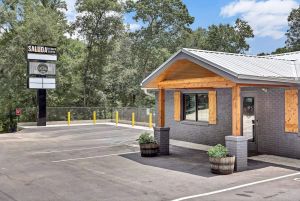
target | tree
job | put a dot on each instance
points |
(163, 23)
(227, 38)
(100, 23)
(54, 4)
(195, 39)
(23, 23)
(293, 33)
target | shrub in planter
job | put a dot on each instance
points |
(220, 161)
(148, 145)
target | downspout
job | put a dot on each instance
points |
(148, 93)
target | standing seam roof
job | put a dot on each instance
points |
(283, 67)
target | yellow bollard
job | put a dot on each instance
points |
(117, 118)
(69, 118)
(150, 120)
(133, 120)
(94, 117)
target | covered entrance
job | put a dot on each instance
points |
(211, 98)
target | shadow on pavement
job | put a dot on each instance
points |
(191, 161)
(185, 160)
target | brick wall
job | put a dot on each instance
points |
(205, 134)
(270, 131)
(271, 137)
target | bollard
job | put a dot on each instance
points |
(132, 119)
(94, 117)
(69, 118)
(150, 120)
(117, 118)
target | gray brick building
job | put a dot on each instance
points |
(203, 96)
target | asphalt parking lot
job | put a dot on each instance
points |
(102, 162)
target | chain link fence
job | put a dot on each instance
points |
(86, 113)
(141, 115)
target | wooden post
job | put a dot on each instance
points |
(161, 108)
(236, 111)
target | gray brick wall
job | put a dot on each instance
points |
(271, 137)
(205, 134)
(270, 131)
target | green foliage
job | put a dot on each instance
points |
(218, 151)
(227, 38)
(293, 33)
(100, 26)
(146, 138)
(8, 122)
(105, 66)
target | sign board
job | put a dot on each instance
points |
(42, 57)
(41, 83)
(39, 49)
(41, 75)
(39, 52)
(41, 68)
(18, 111)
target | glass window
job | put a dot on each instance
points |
(202, 107)
(190, 107)
(196, 107)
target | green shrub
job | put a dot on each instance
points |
(218, 151)
(146, 138)
(9, 125)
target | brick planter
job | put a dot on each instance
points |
(162, 137)
(238, 147)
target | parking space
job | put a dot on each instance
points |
(102, 162)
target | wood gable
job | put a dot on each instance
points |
(186, 74)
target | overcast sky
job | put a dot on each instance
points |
(268, 18)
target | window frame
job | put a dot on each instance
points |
(196, 106)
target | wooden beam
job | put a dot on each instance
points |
(161, 108)
(263, 85)
(177, 106)
(236, 111)
(212, 102)
(208, 82)
(291, 111)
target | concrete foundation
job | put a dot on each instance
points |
(162, 136)
(237, 146)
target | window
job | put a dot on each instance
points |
(196, 107)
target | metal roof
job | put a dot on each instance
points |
(287, 56)
(277, 68)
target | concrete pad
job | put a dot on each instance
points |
(283, 161)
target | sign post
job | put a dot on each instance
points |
(41, 76)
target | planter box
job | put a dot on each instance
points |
(222, 165)
(149, 150)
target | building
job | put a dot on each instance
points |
(203, 96)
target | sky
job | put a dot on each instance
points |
(268, 18)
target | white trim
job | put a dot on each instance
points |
(91, 157)
(235, 187)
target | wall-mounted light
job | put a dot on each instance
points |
(264, 90)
